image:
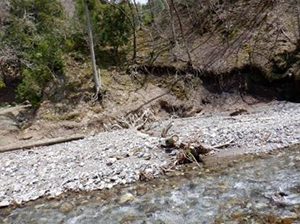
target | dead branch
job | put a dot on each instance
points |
(41, 143)
(165, 130)
(223, 144)
(135, 121)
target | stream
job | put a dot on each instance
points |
(262, 190)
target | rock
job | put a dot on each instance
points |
(126, 198)
(261, 205)
(236, 214)
(128, 219)
(4, 203)
(119, 157)
(6, 211)
(66, 207)
(111, 161)
(139, 154)
(109, 186)
(26, 136)
(147, 156)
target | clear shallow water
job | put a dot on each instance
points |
(260, 191)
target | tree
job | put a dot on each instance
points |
(116, 26)
(97, 82)
(171, 15)
(190, 62)
(134, 29)
(33, 32)
(111, 24)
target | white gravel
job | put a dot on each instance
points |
(267, 127)
(112, 158)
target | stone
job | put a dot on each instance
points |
(236, 214)
(26, 136)
(261, 205)
(147, 157)
(4, 203)
(109, 186)
(111, 161)
(66, 207)
(126, 198)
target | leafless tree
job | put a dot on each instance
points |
(97, 81)
(134, 30)
(172, 22)
(190, 61)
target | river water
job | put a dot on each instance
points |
(263, 190)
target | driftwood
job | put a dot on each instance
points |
(165, 130)
(40, 143)
(6, 110)
(223, 144)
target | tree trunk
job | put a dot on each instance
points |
(152, 6)
(137, 11)
(97, 81)
(134, 27)
(298, 21)
(182, 33)
(170, 12)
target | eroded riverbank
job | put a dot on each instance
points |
(116, 158)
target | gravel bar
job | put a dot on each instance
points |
(113, 158)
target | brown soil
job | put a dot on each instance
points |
(159, 91)
(164, 96)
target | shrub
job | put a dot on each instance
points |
(34, 29)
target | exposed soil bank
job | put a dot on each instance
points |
(248, 80)
(164, 91)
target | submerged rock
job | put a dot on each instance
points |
(66, 207)
(126, 198)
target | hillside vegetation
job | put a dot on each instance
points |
(39, 38)
(163, 59)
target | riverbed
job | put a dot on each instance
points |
(110, 159)
(264, 189)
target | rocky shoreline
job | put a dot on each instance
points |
(114, 158)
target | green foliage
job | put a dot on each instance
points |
(34, 30)
(29, 87)
(2, 84)
(115, 28)
(111, 23)
(147, 18)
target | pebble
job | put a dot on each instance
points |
(111, 161)
(147, 156)
(127, 197)
(4, 203)
(260, 205)
(66, 207)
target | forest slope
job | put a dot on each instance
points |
(241, 53)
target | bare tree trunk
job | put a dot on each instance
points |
(170, 12)
(182, 33)
(97, 80)
(134, 31)
(137, 10)
(298, 21)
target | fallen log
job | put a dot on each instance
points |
(41, 143)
